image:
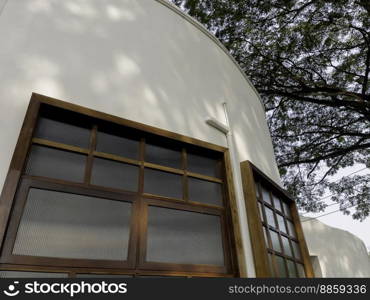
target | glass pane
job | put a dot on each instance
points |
(58, 164)
(205, 191)
(163, 183)
(117, 145)
(114, 174)
(26, 274)
(297, 251)
(275, 241)
(57, 224)
(103, 276)
(291, 229)
(270, 217)
(281, 266)
(260, 209)
(277, 203)
(265, 235)
(162, 155)
(269, 255)
(301, 272)
(266, 195)
(205, 165)
(286, 245)
(184, 237)
(62, 132)
(291, 269)
(257, 190)
(281, 222)
(287, 209)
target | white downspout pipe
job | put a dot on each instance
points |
(247, 246)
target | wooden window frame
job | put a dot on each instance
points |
(250, 174)
(16, 181)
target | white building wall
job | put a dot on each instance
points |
(137, 59)
(339, 253)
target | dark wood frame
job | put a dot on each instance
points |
(15, 181)
(29, 182)
(250, 174)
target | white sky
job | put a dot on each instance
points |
(337, 219)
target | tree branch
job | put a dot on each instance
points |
(333, 154)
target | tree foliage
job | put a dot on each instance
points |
(310, 61)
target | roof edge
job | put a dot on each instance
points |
(333, 228)
(198, 25)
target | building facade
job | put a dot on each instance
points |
(133, 145)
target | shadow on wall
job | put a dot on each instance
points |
(339, 253)
(122, 57)
(84, 54)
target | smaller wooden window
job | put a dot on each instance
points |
(277, 238)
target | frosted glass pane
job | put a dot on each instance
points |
(117, 145)
(270, 217)
(269, 262)
(297, 251)
(159, 155)
(286, 245)
(58, 164)
(57, 224)
(287, 209)
(204, 165)
(162, 183)
(275, 241)
(114, 174)
(25, 274)
(301, 271)
(184, 237)
(281, 222)
(265, 235)
(63, 132)
(257, 190)
(266, 195)
(277, 203)
(281, 266)
(291, 269)
(291, 228)
(260, 209)
(205, 191)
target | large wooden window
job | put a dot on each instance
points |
(88, 193)
(277, 237)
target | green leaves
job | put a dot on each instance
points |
(310, 61)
